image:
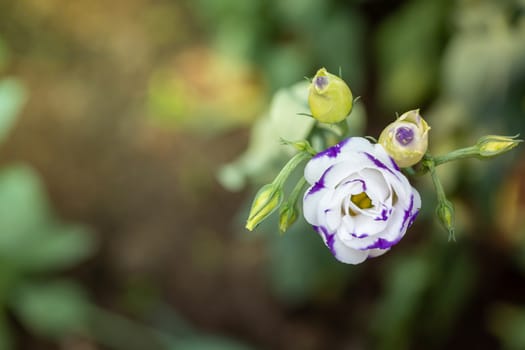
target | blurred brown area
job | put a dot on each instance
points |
(149, 194)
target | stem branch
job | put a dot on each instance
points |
(289, 167)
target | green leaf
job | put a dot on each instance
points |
(63, 247)
(31, 238)
(9, 277)
(407, 280)
(407, 58)
(447, 301)
(507, 322)
(6, 339)
(12, 97)
(54, 309)
(24, 209)
(302, 268)
(339, 44)
(207, 343)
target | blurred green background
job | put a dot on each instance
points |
(116, 118)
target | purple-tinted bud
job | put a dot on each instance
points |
(406, 139)
(404, 135)
(321, 82)
(330, 99)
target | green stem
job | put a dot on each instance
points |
(296, 192)
(289, 211)
(289, 167)
(345, 130)
(410, 171)
(118, 332)
(444, 209)
(430, 163)
(462, 153)
(340, 130)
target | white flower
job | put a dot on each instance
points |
(359, 202)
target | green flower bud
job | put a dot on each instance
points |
(493, 145)
(287, 216)
(301, 146)
(265, 202)
(446, 214)
(330, 99)
(406, 139)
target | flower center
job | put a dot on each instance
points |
(362, 200)
(404, 135)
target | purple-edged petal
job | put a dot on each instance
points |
(339, 153)
(356, 230)
(332, 152)
(374, 253)
(346, 254)
(381, 243)
(327, 236)
(400, 218)
(311, 207)
(357, 235)
(380, 164)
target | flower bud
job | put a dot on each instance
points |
(265, 202)
(406, 139)
(330, 99)
(493, 145)
(446, 214)
(301, 146)
(287, 216)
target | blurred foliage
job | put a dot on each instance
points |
(507, 322)
(414, 288)
(35, 244)
(217, 88)
(12, 98)
(407, 58)
(32, 239)
(204, 91)
(4, 55)
(299, 271)
(117, 332)
(287, 39)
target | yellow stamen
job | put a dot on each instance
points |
(361, 200)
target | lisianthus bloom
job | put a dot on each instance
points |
(359, 201)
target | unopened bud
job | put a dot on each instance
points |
(446, 214)
(267, 199)
(406, 139)
(330, 99)
(493, 145)
(287, 216)
(301, 146)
